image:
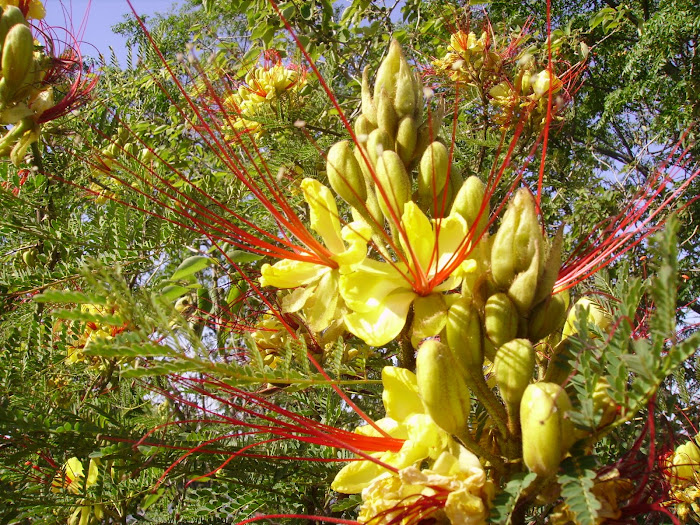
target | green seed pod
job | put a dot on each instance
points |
(500, 319)
(345, 174)
(468, 203)
(518, 240)
(17, 56)
(11, 16)
(463, 331)
(395, 184)
(406, 137)
(368, 108)
(387, 119)
(547, 432)
(442, 388)
(432, 172)
(513, 367)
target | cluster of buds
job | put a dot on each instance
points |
(258, 96)
(23, 94)
(515, 86)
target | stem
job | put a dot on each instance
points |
(407, 354)
(486, 397)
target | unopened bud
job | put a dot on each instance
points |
(406, 137)
(389, 70)
(11, 16)
(548, 316)
(395, 185)
(469, 201)
(547, 432)
(500, 319)
(513, 367)
(552, 264)
(368, 108)
(518, 240)
(377, 143)
(405, 99)
(596, 316)
(387, 119)
(363, 127)
(432, 172)
(442, 387)
(345, 174)
(464, 336)
(17, 56)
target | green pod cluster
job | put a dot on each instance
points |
(442, 387)
(547, 433)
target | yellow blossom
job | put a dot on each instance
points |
(455, 487)
(380, 294)
(316, 285)
(72, 479)
(405, 419)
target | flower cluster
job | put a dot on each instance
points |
(258, 95)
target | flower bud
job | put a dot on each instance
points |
(406, 138)
(389, 70)
(522, 289)
(17, 56)
(377, 143)
(518, 240)
(552, 264)
(432, 172)
(394, 181)
(546, 430)
(363, 127)
(368, 109)
(468, 203)
(513, 367)
(500, 319)
(11, 16)
(596, 316)
(345, 175)
(442, 388)
(405, 99)
(548, 316)
(387, 119)
(464, 338)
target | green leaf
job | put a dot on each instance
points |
(172, 292)
(576, 483)
(190, 266)
(242, 257)
(504, 503)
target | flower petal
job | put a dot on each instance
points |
(357, 475)
(365, 289)
(400, 396)
(324, 214)
(381, 325)
(290, 274)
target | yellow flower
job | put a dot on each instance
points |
(71, 480)
(316, 285)
(405, 419)
(380, 293)
(455, 488)
(35, 9)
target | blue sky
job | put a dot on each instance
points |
(103, 14)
